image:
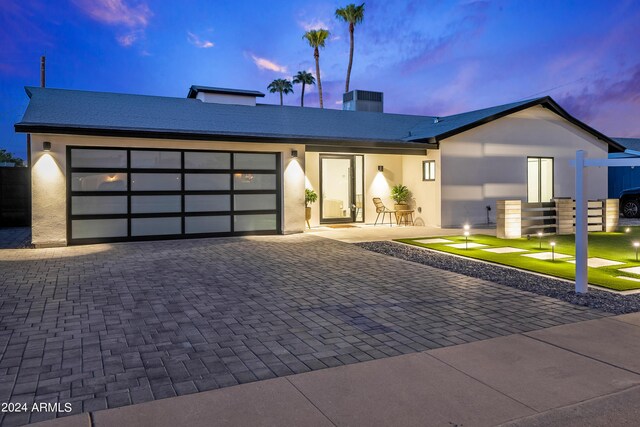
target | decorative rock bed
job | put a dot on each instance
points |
(603, 300)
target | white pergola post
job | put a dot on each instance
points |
(582, 226)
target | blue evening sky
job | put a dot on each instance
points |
(428, 57)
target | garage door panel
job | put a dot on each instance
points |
(254, 202)
(156, 181)
(156, 226)
(98, 158)
(207, 224)
(254, 181)
(89, 181)
(259, 222)
(131, 193)
(207, 160)
(156, 159)
(98, 205)
(156, 204)
(98, 228)
(209, 203)
(207, 182)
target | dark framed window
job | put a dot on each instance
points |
(118, 194)
(429, 170)
(540, 179)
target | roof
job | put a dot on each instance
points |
(114, 114)
(193, 91)
(629, 143)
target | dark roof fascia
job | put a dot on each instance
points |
(163, 134)
(369, 150)
(193, 91)
(546, 102)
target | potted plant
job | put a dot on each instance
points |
(310, 197)
(400, 195)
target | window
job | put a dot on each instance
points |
(539, 179)
(429, 170)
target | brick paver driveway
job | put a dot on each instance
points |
(110, 325)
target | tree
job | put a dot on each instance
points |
(6, 156)
(304, 78)
(352, 15)
(316, 39)
(282, 86)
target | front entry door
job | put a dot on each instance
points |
(340, 188)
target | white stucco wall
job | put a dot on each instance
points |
(489, 163)
(425, 194)
(49, 209)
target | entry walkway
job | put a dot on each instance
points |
(582, 374)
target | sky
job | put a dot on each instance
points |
(428, 57)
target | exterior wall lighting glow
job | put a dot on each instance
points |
(627, 230)
(294, 154)
(466, 227)
(380, 168)
(466, 240)
(540, 239)
(636, 245)
(553, 251)
(46, 146)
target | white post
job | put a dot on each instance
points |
(581, 224)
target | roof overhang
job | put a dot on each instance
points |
(546, 102)
(321, 144)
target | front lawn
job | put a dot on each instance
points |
(616, 247)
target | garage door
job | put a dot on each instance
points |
(118, 194)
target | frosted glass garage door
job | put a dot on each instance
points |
(138, 194)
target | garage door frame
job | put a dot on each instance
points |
(231, 171)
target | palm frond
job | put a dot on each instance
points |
(351, 13)
(316, 38)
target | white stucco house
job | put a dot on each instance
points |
(116, 167)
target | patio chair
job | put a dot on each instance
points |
(382, 209)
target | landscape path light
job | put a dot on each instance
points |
(466, 240)
(553, 251)
(636, 245)
(540, 239)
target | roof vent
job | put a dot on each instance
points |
(220, 95)
(436, 120)
(363, 100)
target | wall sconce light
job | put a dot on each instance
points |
(46, 146)
(294, 153)
(380, 168)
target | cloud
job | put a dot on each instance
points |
(314, 24)
(120, 14)
(198, 42)
(266, 64)
(116, 12)
(587, 104)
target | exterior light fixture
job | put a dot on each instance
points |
(46, 146)
(636, 245)
(540, 239)
(294, 154)
(466, 227)
(627, 230)
(380, 168)
(466, 240)
(553, 251)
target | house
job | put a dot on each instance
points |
(112, 167)
(624, 178)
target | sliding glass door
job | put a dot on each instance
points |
(341, 188)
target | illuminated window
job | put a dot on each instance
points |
(429, 170)
(539, 179)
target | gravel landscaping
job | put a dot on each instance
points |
(562, 290)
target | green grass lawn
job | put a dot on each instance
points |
(610, 246)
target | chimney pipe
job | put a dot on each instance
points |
(42, 71)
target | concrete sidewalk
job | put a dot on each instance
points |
(582, 374)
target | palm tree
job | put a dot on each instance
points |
(316, 39)
(306, 78)
(281, 86)
(353, 15)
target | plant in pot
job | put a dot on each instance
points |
(400, 195)
(310, 197)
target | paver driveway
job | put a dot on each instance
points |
(110, 325)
